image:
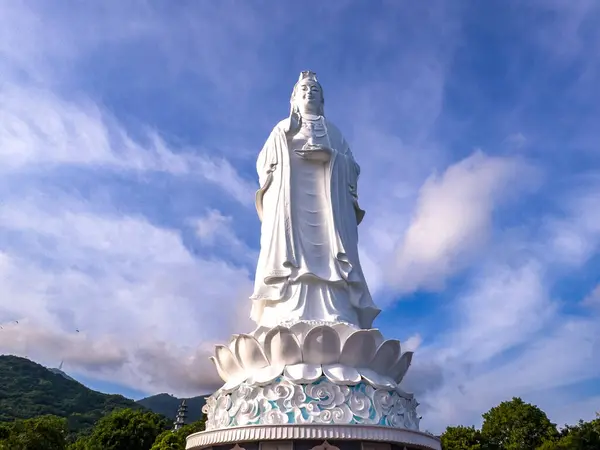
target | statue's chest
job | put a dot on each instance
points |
(312, 132)
(313, 129)
(301, 139)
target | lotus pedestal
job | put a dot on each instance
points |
(312, 385)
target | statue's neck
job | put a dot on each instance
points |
(310, 116)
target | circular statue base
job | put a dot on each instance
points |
(312, 437)
(283, 415)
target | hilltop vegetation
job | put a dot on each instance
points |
(29, 390)
(42, 409)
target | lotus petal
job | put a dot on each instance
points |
(303, 373)
(379, 339)
(377, 380)
(300, 330)
(321, 346)
(224, 376)
(386, 356)
(359, 349)
(249, 353)
(266, 375)
(282, 348)
(260, 333)
(339, 374)
(233, 383)
(398, 370)
(226, 364)
(344, 331)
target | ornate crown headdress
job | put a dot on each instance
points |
(308, 74)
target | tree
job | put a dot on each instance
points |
(461, 438)
(170, 440)
(40, 433)
(583, 436)
(516, 425)
(124, 429)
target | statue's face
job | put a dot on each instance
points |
(308, 96)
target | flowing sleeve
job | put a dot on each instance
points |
(265, 165)
(353, 174)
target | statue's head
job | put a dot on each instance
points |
(307, 96)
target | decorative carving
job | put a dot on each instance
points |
(322, 402)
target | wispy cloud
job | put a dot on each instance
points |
(453, 219)
(119, 279)
(593, 299)
(41, 130)
(508, 331)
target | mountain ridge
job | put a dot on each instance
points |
(167, 405)
(28, 389)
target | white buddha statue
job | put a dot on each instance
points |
(308, 269)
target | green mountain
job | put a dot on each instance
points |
(28, 389)
(167, 405)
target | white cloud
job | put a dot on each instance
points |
(506, 306)
(215, 230)
(453, 220)
(40, 129)
(593, 299)
(541, 372)
(509, 337)
(27, 337)
(575, 236)
(516, 140)
(412, 343)
(131, 289)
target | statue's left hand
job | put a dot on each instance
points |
(315, 152)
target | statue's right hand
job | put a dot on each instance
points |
(295, 121)
(317, 153)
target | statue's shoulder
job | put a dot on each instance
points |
(335, 132)
(282, 125)
(332, 126)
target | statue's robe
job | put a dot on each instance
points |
(308, 268)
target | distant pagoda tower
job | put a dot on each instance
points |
(181, 416)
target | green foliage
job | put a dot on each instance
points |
(170, 440)
(167, 405)
(583, 436)
(30, 390)
(125, 429)
(461, 438)
(516, 425)
(41, 433)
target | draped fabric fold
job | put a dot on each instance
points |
(308, 267)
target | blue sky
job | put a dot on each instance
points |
(128, 138)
